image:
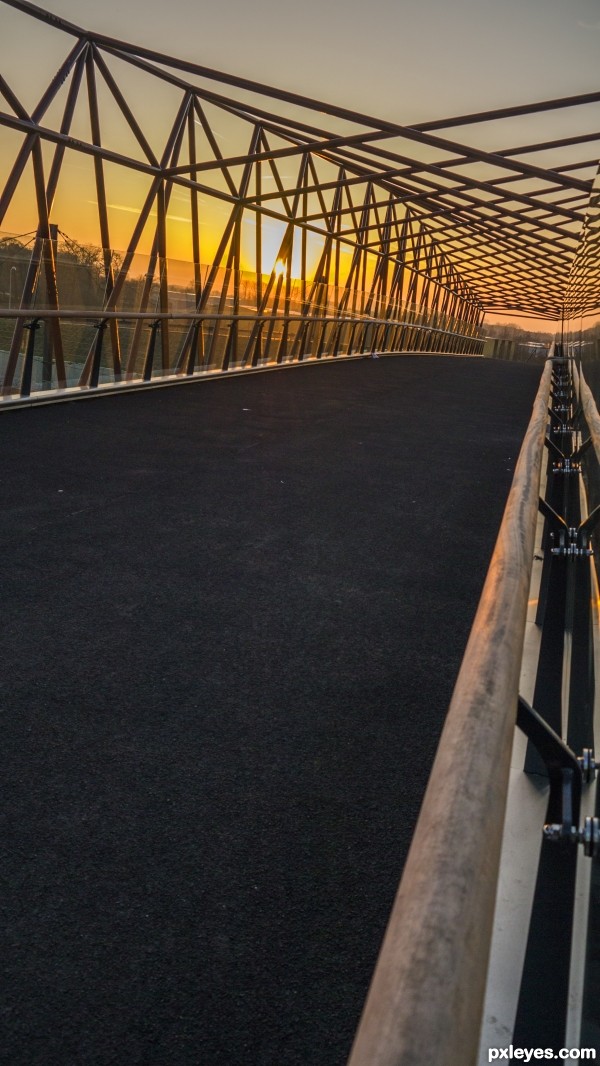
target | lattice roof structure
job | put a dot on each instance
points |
(496, 225)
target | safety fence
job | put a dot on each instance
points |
(163, 348)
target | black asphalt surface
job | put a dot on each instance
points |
(233, 616)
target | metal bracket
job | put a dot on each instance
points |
(562, 422)
(582, 448)
(554, 449)
(587, 765)
(566, 773)
(562, 429)
(588, 835)
(574, 547)
(570, 540)
(566, 466)
(560, 455)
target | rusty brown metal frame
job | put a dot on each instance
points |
(434, 244)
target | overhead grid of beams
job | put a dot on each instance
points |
(583, 291)
(388, 236)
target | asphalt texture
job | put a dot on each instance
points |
(233, 614)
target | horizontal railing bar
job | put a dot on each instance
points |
(106, 316)
(426, 999)
(193, 316)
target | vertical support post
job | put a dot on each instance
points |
(97, 355)
(49, 263)
(259, 287)
(283, 344)
(161, 234)
(197, 352)
(47, 351)
(102, 208)
(28, 361)
(303, 245)
(232, 343)
(149, 359)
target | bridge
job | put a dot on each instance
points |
(239, 587)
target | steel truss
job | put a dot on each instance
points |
(412, 249)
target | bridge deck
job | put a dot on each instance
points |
(233, 616)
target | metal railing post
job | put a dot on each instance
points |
(315, 336)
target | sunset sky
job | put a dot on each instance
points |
(408, 60)
(403, 60)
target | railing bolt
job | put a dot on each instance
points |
(589, 836)
(554, 833)
(587, 765)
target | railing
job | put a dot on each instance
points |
(199, 345)
(426, 997)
